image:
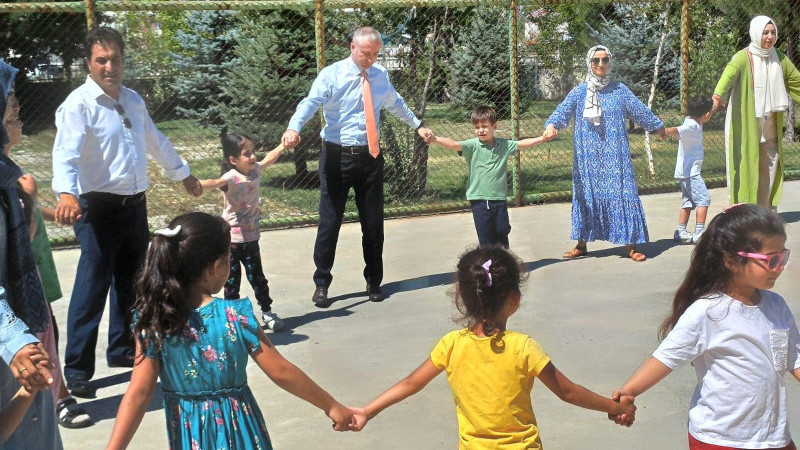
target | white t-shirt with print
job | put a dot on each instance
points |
(740, 354)
(690, 149)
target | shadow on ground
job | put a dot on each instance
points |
(106, 408)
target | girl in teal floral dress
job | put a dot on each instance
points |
(198, 346)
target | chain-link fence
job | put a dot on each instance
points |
(206, 68)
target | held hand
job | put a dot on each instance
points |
(716, 103)
(426, 134)
(360, 417)
(624, 417)
(627, 409)
(68, 210)
(550, 133)
(342, 417)
(290, 138)
(662, 133)
(193, 186)
(31, 367)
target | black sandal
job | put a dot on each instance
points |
(70, 415)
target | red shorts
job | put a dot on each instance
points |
(694, 444)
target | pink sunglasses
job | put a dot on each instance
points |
(774, 260)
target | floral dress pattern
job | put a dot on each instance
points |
(206, 398)
(605, 198)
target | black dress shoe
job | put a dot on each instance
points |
(320, 297)
(374, 293)
(81, 388)
(125, 361)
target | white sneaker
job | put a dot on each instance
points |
(696, 237)
(272, 321)
(684, 237)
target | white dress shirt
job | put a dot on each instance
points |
(94, 151)
(337, 89)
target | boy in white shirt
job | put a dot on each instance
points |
(687, 169)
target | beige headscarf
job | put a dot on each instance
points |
(594, 84)
(768, 83)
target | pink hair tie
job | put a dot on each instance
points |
(486, 266)
(733, 206)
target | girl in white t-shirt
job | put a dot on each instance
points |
(740, 337)
(240, 187)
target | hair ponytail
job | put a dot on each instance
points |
(486, 277)
(174, 261)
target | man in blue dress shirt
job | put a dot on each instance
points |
(100, 178)
(345, 160)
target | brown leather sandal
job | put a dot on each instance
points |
(576, 252)
(636, 256)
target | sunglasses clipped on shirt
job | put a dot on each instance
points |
(774, 261)
(125, 120)
(605, 59)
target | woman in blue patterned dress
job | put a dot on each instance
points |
(605, 199)
(198, 346)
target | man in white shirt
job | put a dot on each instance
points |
(100, 178)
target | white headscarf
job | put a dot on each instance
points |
(768, 84)
(594, 84)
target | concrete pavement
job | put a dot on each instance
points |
(596, 317)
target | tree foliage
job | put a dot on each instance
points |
(480, 66)
(632, 33)
(205, 54)
(557, 38)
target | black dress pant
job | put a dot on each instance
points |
(114, 236)
(340, 169)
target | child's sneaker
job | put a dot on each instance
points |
(684, 237)
(696, 237)
(272, 321)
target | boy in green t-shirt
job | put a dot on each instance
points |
(487, 159)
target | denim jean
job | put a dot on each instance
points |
(491, 221)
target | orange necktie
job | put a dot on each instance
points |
(369, 116)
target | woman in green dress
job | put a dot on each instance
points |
(755, 87)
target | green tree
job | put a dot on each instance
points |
(559, 41)
(711, 46)
(150, 42)
(480, 68)
(205, 54)
(275, 66)
(633, 34)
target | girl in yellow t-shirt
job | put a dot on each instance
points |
(490, 369)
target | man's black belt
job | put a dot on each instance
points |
(122, 200)
(352, 149)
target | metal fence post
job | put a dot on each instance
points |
(319, 33)
(90, 14)
(513, 20)
(684, 56)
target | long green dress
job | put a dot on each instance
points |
(743, 135)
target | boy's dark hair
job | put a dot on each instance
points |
(699, 106)
(482, 113)
(232, 145)
(172, 265)
(103, 36)
(739, 228)
(482, 288)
